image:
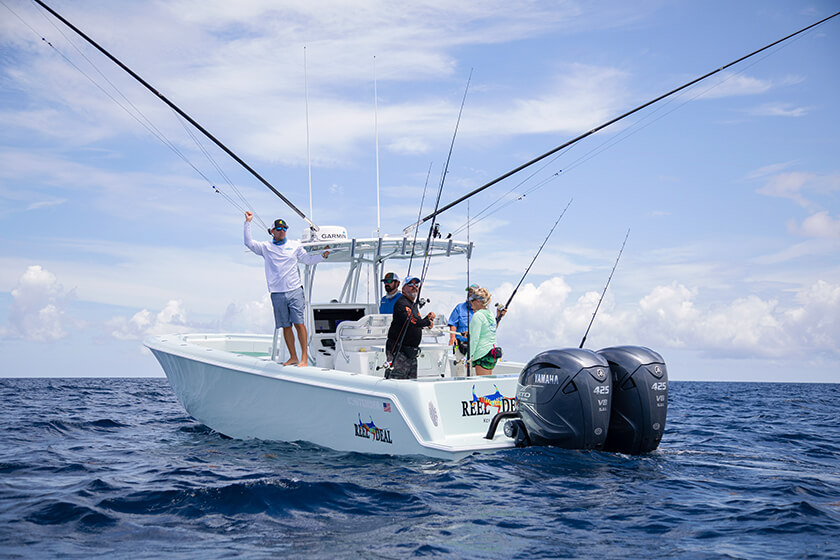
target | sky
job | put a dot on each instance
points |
(730, 189)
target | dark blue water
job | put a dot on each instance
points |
(114, 468)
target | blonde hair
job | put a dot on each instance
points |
(482, 295)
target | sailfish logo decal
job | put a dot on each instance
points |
(480, 406)
(368, 430)
(369, 427)
(495, 399)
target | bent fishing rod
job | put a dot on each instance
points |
(178, 110)
(613, 121)
(597, 307)
(504, 307)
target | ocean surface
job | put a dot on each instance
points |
(114, 468)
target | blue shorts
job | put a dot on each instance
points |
(288, 308)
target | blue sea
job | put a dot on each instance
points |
(114, 468)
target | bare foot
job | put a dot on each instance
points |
(291, 362)
(303, 363)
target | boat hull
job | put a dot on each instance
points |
(224, 382)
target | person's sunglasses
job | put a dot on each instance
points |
(415, 284)
(281, 228)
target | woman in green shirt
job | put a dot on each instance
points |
(482, 332)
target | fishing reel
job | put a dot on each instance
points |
(500, 312)
(423, 301)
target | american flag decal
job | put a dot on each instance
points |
(386, 407)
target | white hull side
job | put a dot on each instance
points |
(249, 397)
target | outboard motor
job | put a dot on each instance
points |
(639, 400)
(564, 399)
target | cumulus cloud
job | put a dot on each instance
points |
(171, 319)
(816, 324)
(671, 317)
(249, 317)
(38, 308)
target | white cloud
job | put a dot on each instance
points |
(171, 319)
(729, 84)
(254, 316)
(788, 185)
(820, 224)
(816, 324)
(669, 317)
(405, 145)
(38, 308)
(259, 49)
(779, 110)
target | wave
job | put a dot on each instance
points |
(274, 497)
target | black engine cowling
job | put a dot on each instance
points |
(564, 398)
(639, 399)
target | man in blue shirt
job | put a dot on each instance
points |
(459, 325)
(392, 294)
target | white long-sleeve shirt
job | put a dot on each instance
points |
(281, 261)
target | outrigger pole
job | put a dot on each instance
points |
(510, 299)
(180, 112)
(597, 307)
(611, 122)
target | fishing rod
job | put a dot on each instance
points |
(424, 267)
(615, 120)
(605, 290)
(432, 228)
(502, 308)
(178, 110)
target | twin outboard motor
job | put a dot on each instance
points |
(564, 399)
(615, 399)
(640, 399)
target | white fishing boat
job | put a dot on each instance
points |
(236, 383)
(613, 399)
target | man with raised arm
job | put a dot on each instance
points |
(281, 257)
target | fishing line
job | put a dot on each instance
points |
(137, 114)
(222, 173)
(419, 213)
(426, 259)
(620, 117)
(469, 308)
(654, 116)
(160, 96)
(432, 226)
(527, 270)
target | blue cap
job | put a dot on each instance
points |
(409, 279)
